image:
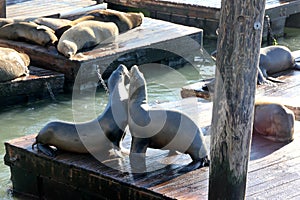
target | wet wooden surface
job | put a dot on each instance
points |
(37, 85)
(274, 170)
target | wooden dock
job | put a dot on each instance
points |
(274, 173)
(172, 45)
(39, 84)
(205, 14)
(274, 168)
(36, 8)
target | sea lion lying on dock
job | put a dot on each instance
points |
(86, 34)
(274, 59)
(124, 21)
(161, 129)
(13, 64)
(28, 31)
(274, 121)
(96, 136)
(53, 23)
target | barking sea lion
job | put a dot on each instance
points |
(98, 135)
(161, 129)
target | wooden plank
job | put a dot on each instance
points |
(39, 84)
(37, 8)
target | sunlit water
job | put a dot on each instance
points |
(163, 85)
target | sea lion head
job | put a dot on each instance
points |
(137, 81)
(68, 48)
(121, 74)
(45, 134)
(136, 19)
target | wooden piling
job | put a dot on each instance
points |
(238, 48)
(2, 8)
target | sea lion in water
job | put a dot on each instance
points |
(274, 121)
(13, 64)
(28, 31)
(274, 59)
(161, 129)
(86, 34)
(97, 135)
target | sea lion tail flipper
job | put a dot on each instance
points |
(275, 80)
(35, 143)
(46, 149)
(297, 64)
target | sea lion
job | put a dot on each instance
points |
(274, 59)
(60, 30)
(124, 21)
(161, 129)
(98, 135)
(52, 23)
(274, 121)
(4, 21)
(13, 64)
(28, 31)
(86, 34)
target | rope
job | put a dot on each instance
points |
(102, 80)
(270, 37)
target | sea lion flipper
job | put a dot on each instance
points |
(196, 164)
(46, 149)
(263, 79)
(297, 65)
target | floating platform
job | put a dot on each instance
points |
(206, 14)
(36, 8)
(172, 45)
(274, 170)
(39, 84)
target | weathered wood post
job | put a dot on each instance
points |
(240, 33)
(2, 8)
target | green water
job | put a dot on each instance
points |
(163, 85)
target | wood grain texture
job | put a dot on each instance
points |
(233, 103)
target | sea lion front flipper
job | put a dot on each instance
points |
(137, 154)
(197, 164)
(46, 149)
(297, 64)
(264, 79)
